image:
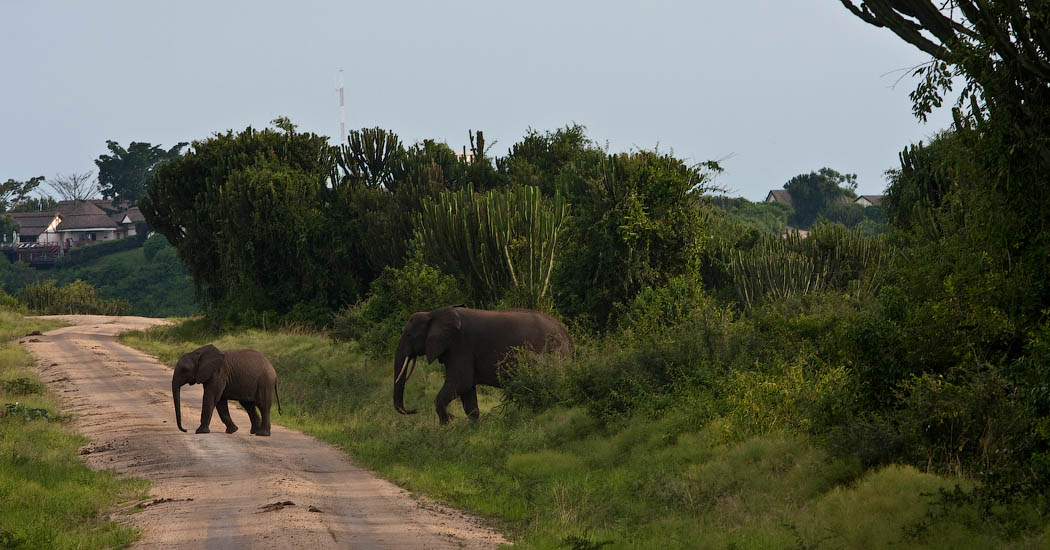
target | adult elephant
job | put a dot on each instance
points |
(473, 345)
(243, 375)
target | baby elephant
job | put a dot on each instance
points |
(243, 375)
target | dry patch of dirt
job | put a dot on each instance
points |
(223, 490)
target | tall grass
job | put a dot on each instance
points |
(48, 298)
(48, 497)
(685, 476)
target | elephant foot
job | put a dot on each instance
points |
(263, 432)
(231, 429)
(203, 430)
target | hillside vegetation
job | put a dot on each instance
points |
(111, 278)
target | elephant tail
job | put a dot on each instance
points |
(278, 396)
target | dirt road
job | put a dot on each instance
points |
(224, 489)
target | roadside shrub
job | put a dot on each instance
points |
(376, 322)
(9, 302)
(21, 386)
(648, 371)
(538, 381)
(963, 421)
(671, 304)
(78, 297)
(804, 397)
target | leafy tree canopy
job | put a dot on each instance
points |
(35, 204)
(125, 174)
(14, 192)
(817, 193)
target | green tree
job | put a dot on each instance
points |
(190, 195)
(818, 193)
(538, 159)
(125, 174)
(636, 224)
(35, 204)
(972, 209)
(14, 192)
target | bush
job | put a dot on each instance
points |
(9, 302)
(805, 397)
(376, 322)
(155, 244)
(650, 369)
(47, 298)
(964, 421)
(636, 224)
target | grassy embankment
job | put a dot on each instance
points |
(149, 277)
(48, 497)
(560, 479)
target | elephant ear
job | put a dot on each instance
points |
(209, 362)
(444, 327)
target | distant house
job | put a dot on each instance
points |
(36, 239)
(780, 195)
(869, 200)
(41, 237)
(124, 217)
(35, 227)
(84, 222)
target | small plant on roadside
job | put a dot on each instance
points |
(16, 409)
(21, 386)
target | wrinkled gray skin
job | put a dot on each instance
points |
(473, 345)
(243, 375)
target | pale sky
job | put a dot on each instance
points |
(777, 88)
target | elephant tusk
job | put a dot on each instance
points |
(413, 369)
(401, 373)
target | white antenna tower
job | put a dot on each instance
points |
(342, 110)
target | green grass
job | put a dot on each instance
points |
(48, 497)
(562, 479)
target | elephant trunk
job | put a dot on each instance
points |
(400, 377)
(176, 387)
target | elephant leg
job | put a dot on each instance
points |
(211, 397)
(470, 403)
(249, 407)
(264, 421)
(224, 414)
(444, 396)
